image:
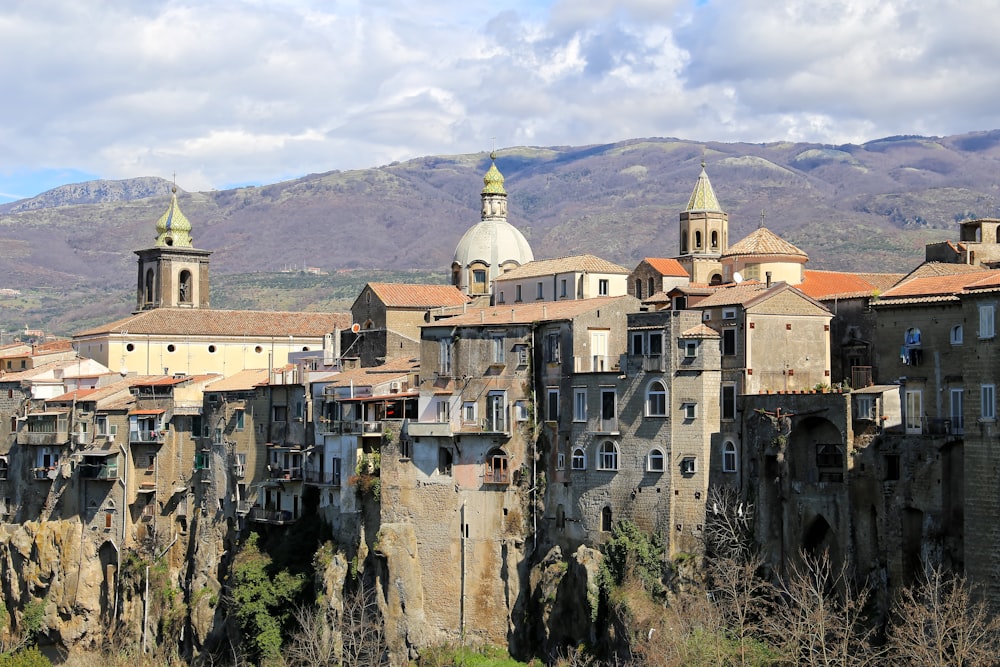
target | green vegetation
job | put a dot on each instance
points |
(27, 657)
(455, 656)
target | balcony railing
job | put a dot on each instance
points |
(323, 479)
(496, 476)
(652, 363)
(596, 363)
(936, 426)
(42, 439)
(43, 474)
(286, 473)
(99, 471)
(861, 376)
(146, 436)
(495, 425)
(278, 517)
(372, 428)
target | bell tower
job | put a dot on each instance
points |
(704, 233)
(173, 273)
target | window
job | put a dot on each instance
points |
(690, 349)
(652, 287)
(729, 457)
(603, 287)
(638, 288)
(3, 468)
(500, 297)
(217, 436)
(444, 411)
(609, 411)
(606, 521)
(865, 407)
(562, 288)
(637, 343)
(445, 461)
(655, 344)
(496, 467)
(539, 291)
(956, 334)
(279, 413)
(479, 281)
(560, 461)
(656, 399)
(697, 240)
(517, 293)
(445, 350)
(521, 411)
(655, 460)
(689, 465)
(469, 412)
(728, 342)
(988, 401)
(579, 461)
(729, 401)
(830, 461)
(522, 355)
(552, 405)
(202, 461)
(729, 313)
(552, 348)
(715, 240)
(690, 410)
(987, 323)
(607, 456)
(914, 409)
(496, 412)
(498, 349)
(579, 405)
(957, 411)
(240, 419)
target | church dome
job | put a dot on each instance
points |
(493, 242)
(173, 228)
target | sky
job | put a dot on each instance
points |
(225, 93)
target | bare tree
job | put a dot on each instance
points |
(728, 525)
(938, 622)
(353, 638)
(818, 616)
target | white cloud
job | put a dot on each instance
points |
(229, 91)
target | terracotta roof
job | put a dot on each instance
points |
(667, 267)
(538, 311)
(840, 284)
(574, 263)
(244, 380)
(417, 296)
(762, 241)
(700, 331)
(199, 322)
(99, 393)
(940, 286)
(940, 269)
(29, 373)
(657, 297)
(735, 294)
(52, 347)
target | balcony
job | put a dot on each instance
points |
(321, 479)
(289, 474)
(596, 363)
(106, 471)
(146, 437)
(936, 426)
(42, 438)
(44, 474)
(496, 476)
(372, 428)
(861, 376)
(497, 424)
(275, 517)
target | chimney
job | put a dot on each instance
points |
(767, 274)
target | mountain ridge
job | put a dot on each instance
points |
(868, 206)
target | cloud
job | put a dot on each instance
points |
(230, 91)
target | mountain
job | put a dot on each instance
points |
(857, 207)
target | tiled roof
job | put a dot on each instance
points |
(735, 294)
(940, 269)
(700, 331)
(575, 263)
(703, 196)
(938, 286)
(667, 267)
(52, 347)
(29, 373)
(538, 311)
(241, 381)
(199, 322)
(839, 284)
(762, 241)
(418, 296)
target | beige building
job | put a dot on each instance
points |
(704, 234)
(561, 279)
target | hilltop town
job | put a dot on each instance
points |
(467, 445)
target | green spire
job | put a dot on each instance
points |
(703, 197)
(493, 180)
(173, 228)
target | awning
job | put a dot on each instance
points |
(145, 412)
(103, 453)
(47, 413)
(383, 397)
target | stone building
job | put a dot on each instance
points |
(653, 277)
(560, 279)
(977, 245)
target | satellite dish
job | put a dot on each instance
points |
(737, 277)
(355, 328)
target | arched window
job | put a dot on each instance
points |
(957, 334)
(638, 288)
(148, 297)
(656, 399)
(655, 460)
(684, 243)
(496, 467)
(729, 457)
(184, 287)
(3, 468)
(579, 461)
(697, 240)
(606, 519)
(652, 286)
(715, 240)
(607, 456)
